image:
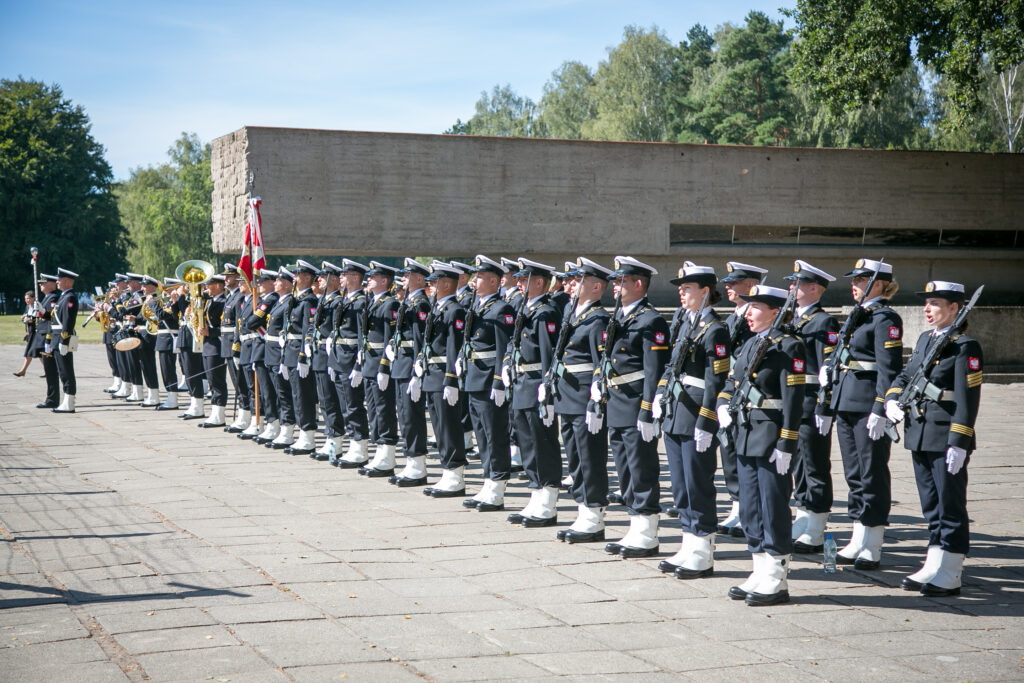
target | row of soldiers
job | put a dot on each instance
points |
(492, 349)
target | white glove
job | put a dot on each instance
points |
(594, 422)
(498, 396)
(955, 458)
(724, 416)
(389, 352)
(549, 416)
(307, 350)
(418, 368)
(894, 412)
(284, 372)
(253, 366)
(234, 361)
(383, 379)
(303, 369)
(595, 393)
(415, 389)
(542, 392)
(48, 347)
(281, 341)
(646, 430)
(781, 461)
(459, 368)
(450, 394)
(823, 376)
(63, 349)
(656, 411)
(702, 439)
(506, 375)
(359, 358)
(823, 423)
(331, 373)
(355, 378)
(876, 427)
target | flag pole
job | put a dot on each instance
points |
(252, 290)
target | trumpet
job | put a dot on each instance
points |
(195, 274)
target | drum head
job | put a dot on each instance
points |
(128, 344)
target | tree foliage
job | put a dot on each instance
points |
(568, 101)
(167, 209)
(55, 189)
(502, 112)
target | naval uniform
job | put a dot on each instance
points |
(318, 338)
(48, 350)
(254, 333)
(277, 330)
(191, 362)
(739, 332)
(213, 365)
(345, 332)
(412, 415)
(166, 334)
(241, 357)
(303, 389)
(228, 339)
(65, 316)
(442, 339)
(934, 426)
(377, 324)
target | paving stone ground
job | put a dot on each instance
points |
(138, 547)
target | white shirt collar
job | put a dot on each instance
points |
(803, 309)
(531, 301)
(628, 308)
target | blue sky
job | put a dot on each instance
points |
(146, 71)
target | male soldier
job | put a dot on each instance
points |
(637, 354)
(738, 283)
(434, 373)
(65, 316)
(213, 365)
(254, 333)
(560, 289)
(147, 349)
(166, 336)
(478, 369)
(812, 467)
(191, 362)
(345, 324)
(376, 325)
(113, 292)
(231, 347)
(297, 358)
(241, 356)
(277, 331)
(48, 286)
(586, 451)
(116, 304)
(512, 292)
(401, 351)
(130, 313)
(464, 295)
(318, 336)
(527, 359)
(570, 278)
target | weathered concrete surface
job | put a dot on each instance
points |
(339, 192)
(147, 549)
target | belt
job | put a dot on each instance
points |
(56, 326)
(947, 395)
(375, 345)
(811, 379)
(224, 329)
(271, 338)
(692, 381)
(482, 355)
(528, 367)
(579, 368)
(766, 404)
(408, 344)
(437, 360)
(327, 343)
(626, 379)
(346, 341)
(859, 365)
(247, 337)
(294, 337)
(166, 331)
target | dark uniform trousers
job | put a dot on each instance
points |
(147, 358)
(112, 357)
(334, 424)
(542, 458)
(66, 372)
(244, 377)
(812, 469)
(491, 425)
(764, 497)
(303, 393)
(192, 366)
(588, 463)
(447, 423)
(381, 413)
(169, 370)
(413, 417)
(52, 376)
(866, 464)
(216, 375)
(572, 455)
(268, 392)
(943, 501)
(636, 462)
(286, 406)
(353, 407)
(693, 483)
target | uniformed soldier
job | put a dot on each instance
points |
(242, 356)
(512, 292)
(166, 336)
(740, 278)
(636, 355)
(526, 360)
(351, 395)
(812, 468)
(407, 339)
(255, 333)
(62, 327)
(561, 288)
(464, 294)
(434, 375)
(214, 366)
(191, 361)
(318, 336)
(44, 329)
(297, 357)
(765, 433)
(569, 280)
(488, 326)
(277, 332)
(231, 347)
(586, 451)
(685, 406)
(113, 291)
(870, 362)
(120, 296)
(148, 324)
(132, 325)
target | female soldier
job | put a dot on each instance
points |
(869, 363)
(765, 437)
(29, 319)
(686, 394)
(940, 437)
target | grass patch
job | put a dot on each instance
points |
(12, 331)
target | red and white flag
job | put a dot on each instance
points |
(252, 249)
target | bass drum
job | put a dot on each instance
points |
(128, 344)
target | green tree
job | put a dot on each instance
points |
(502, 112)
(55, 189)
(691, 61)
(629, 89)
(851, 52)
(167, 209)
(568, 101)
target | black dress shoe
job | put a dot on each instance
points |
(908, 584)
(666, 567)
(672, 511)
(614, 499)
(435, 493)
(584, 537)
(320, 457)
(737, 532)
(737, 593)
(866, 565)
(806, 549)
(470, 503)
(842, 559)
(516, 468)
(404, 483)
(291, 450)
(684, 573)
(490, 507)
(393, 479)
(233, 430)
(762, 600)
(633, 553)
(613, 548)
(932, 591)
(374, 473)
(207, 425)
(163, 407)
(536, 522)
(515, 518)
(560, 534)
(44, 404)
(348, 465)
(523, 476)
(279, 446)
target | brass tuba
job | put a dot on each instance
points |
(195, 274)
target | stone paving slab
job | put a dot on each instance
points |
(137, 547)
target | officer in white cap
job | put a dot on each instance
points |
(214, 366)
(62, 326)
(44, 328)
(276, 340)
(318, 339)
(252, 333)
(298, 357)
(351, 395)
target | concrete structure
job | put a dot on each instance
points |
(951, 215)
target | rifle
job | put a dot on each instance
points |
(466, 351)
(601, 377)
(842, 352)
(557, 368)
(919, 387)
(428, 338)
(396, 339)
(364, 338)
(683, 346)
(746, 391)
(517, 332)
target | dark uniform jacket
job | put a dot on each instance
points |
(536, 347)
(779, 378)
(739, 331)
(302, 311)
(490, 333)
(65, 316)
(167, 327)
(581, 358)
(933, 426)
(464, 295)
(43, 324)
(559, 301)
(184, 340)
(228, 318)
(409, 338)
(319, 328)
(277, 330)
(442, 335)
(819, 332)
(879, 343)
(211, 342)
(257, 322)
(638, 353)
(379, 317)
(345, 327)
(707, 363)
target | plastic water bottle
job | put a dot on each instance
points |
(830, 554)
